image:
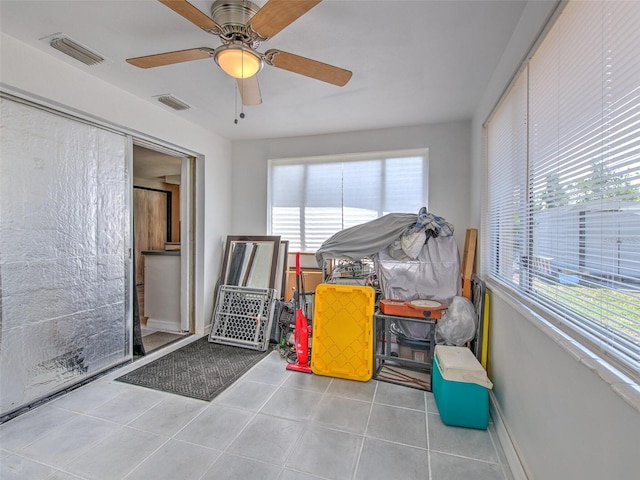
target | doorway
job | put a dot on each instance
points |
(162, 202)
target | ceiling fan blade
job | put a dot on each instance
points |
(307, 67)
(249, 90)
(191, 13)
(170, 58)
(277, 14)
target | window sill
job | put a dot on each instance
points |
(621, 383)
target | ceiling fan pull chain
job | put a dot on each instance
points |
(242, 83)
(235, 104)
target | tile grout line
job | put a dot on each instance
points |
(84, 448)
(426, 420)
(147, 457)
(364, 433)
(457, 455)
(253, 416)
(305, 423)
(167, 438)
(500, 459)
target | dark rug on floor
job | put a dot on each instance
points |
(199, 370)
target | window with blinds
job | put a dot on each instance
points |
(310, 199)
(563, 162)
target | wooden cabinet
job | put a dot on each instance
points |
(150, 223)
(312, 278)
(311, 273)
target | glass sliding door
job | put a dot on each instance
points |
(64, 252)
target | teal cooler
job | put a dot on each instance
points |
(461, 387)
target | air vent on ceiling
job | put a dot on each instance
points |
(75, 50)
(173, 102)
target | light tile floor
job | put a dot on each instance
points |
(271, 424)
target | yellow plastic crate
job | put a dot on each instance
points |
(342, 337)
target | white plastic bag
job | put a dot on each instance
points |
(412, 243)
(458, 324)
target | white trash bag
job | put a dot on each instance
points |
(412, 243)
(458, 323)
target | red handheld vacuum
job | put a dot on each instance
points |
(301, 329)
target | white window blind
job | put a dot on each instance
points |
(311, 199)
(507, 186)
(563, 159)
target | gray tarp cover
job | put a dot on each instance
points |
(434, 274)
(366, 239)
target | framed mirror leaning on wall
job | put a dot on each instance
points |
(251, 261)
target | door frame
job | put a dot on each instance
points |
(195, 232)
(187, 227)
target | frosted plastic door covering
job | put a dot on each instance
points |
(63, 253)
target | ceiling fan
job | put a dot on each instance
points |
(242, 26)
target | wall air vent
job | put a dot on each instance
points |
(75, 50)
(173, 102)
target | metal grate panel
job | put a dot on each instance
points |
(243, 317)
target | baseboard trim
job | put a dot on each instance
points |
(517, 470)
(163, 325)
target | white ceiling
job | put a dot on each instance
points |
(413, 62)
(149, 163)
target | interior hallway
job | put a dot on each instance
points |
(271, 424)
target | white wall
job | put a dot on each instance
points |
(28, 72)
(449, 168)
(568, 416)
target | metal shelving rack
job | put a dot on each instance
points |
(395, 369)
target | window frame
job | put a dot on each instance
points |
(587, 332)
(345, 158)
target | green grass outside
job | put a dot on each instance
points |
(618, 310)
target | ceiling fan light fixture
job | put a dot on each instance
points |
(238, 61)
